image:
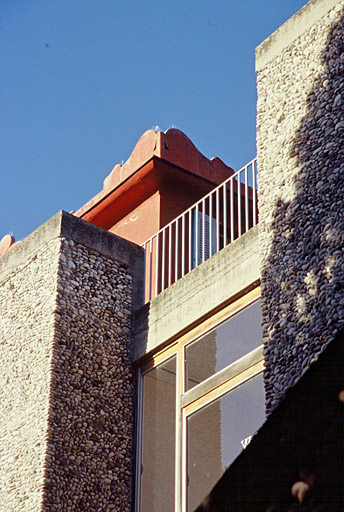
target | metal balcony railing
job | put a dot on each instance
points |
(204, 229)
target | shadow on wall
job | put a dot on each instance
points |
(303, 310)
(295, 463)
(303, 285)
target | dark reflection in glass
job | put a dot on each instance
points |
(158, 438)
(223, 345)
(218, 433)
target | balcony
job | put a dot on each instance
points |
(205, 228)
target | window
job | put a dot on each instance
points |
(201, 400)
(202, 226)
(158, 437)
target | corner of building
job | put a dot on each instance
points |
(68, 295)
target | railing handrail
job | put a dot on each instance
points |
(185, 212)
(210, 224)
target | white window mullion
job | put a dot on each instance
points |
(138, 441)
(184, 468)
(179, 482)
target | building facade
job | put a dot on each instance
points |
(134, 376)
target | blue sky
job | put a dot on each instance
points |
(81, 80)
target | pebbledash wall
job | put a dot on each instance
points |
(300, 133)
(68, 293)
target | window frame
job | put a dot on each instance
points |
(204, 393)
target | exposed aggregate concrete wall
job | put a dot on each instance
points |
(27, 304)
(300, 130)
(67, 383)
(90, 445)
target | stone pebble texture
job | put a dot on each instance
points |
(27, 304)
(66, 383)
(300, 134)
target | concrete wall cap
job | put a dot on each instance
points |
(307, 16)
(65, 225)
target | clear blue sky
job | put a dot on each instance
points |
(81, 80)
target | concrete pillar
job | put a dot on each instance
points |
(68, 292)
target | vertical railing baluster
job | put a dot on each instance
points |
(231, 206)
(176, 251)
(246, 201)
(163, 260)
(203, 230)
(183, 245)
(254, 192)
(225, 214)
(210, 225)
(196, 235)
(170, 255)
(217, 221)
(190, 241)
(239, 204)
(150, 268)
(157, 265)
(145, 270)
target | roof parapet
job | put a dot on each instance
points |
(172, 146)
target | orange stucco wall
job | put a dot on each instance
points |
(147, 206)
(163, 177)
(141, 223)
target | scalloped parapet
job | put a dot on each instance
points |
(172, 146)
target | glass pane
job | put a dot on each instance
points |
(217, 434)
(158, 438)
(223, 345)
